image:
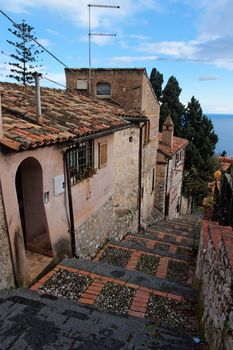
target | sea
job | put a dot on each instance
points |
(223, 126)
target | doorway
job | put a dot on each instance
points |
(29, 188)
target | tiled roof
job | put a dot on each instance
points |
(225, 163)
(66, 116)
(178, 144)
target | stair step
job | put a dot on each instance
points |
(175, 233)
(133, 277)
(62, 323)
(168, 238)
(157, 252)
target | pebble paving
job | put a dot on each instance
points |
(177, 271)
(148, 264)
(114, 256)
(115, 297)
(66, 284)
(144, 281)
(172, 312)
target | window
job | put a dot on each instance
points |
(103, 90)
(81, 161)
(103, 154)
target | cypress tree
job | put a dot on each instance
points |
(172, 106)
(156, 79)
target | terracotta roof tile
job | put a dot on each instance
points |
(178, 144)
(66, 116)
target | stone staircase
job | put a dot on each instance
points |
(135, 294)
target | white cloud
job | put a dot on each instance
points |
(51, 79)
(180, 49)
(130, 59)
(139, 37)
(77, 10)
(53, 32)
(209, 78)
(45, 42)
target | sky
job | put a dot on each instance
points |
(189, 39)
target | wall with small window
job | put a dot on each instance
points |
(103, 89)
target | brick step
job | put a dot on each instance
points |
(167, 239)
(141, 279)
(165, 231)
(170, 252)
(190, 218)
(168, 226)
(180, 222)
(32, 320)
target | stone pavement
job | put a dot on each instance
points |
(135, 294)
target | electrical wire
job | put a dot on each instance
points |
(53, 81)
(37, 42)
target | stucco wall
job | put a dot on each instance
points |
(168, 181)
(132, 89)
(6, 270)
(215, 273)
(174, 187)
(150, 107)
(88, 196)
(126, 168)
(160, 189)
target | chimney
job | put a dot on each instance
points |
(168, 131)
(38, 98)
(1, 128)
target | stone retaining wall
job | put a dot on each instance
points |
(6, 271)
(106, 223)
(215, 273)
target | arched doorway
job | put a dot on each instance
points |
(29, 187)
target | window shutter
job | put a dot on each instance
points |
(103, 154)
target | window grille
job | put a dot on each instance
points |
(103, 89)
(81, 161)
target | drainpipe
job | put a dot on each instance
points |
(166, 185)
(1, 127)
(68, 177)
(38, 98)
(140, 175)
(70, 203)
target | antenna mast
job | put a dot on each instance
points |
(90, 34)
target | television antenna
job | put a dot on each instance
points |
(90, 34)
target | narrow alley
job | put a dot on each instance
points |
(135, 294)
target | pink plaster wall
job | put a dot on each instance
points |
(100, 187)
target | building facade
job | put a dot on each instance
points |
(130, 88)
(58, 175)
(170, 166)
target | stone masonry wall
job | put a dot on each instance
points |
(6, 271)
(215, 273)
(105, 223)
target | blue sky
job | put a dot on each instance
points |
(190, 39)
